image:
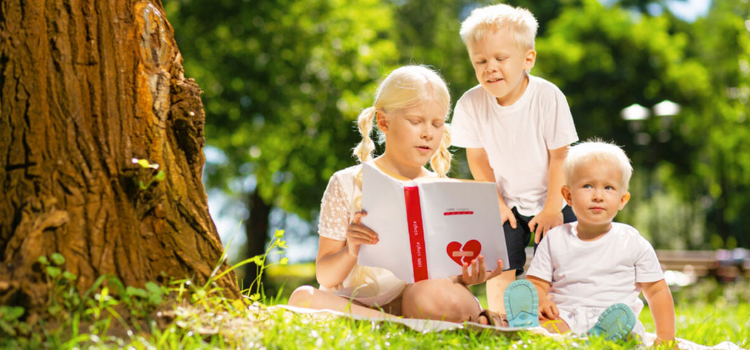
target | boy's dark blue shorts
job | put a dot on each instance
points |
(517, 239)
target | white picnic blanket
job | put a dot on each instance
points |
(437, 326)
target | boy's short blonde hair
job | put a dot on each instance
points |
(518, 20)
(596, 150)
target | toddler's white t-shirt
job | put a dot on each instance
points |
(597, 274)
(516, 138)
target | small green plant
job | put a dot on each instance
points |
(10, 321)
(260, 263)
(159, 176)
(96, 308)
(62, 291)
(141, 301)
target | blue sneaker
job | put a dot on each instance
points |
(521, 304)
(615, 323)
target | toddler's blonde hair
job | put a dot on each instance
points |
(518, 20)
(596, 150)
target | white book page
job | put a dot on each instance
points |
(454, 213)
(383, 200)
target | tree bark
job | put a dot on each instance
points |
(86, 86)
(256, 230)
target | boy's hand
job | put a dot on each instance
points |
(478, 272)
(548, 309)
(506, 214)
(357, 234)
(544, 222)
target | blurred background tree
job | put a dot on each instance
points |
(716, 123)
(284, 81)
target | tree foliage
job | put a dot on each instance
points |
(284, 82)
(607, 58)
(285, 79)
(717, 122)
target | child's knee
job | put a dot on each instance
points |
(439, 301)
(302, 296)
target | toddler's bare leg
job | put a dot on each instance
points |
(313, 298)
(439, 299)
(496, 288)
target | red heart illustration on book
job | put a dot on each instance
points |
(466, 253)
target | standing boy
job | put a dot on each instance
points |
(516, 129)
(589, 274)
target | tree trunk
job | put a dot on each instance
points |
(88, 85)
(256, 230)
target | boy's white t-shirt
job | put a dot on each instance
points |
(597, 274)
(516, 138)
(371, 286)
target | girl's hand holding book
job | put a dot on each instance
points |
(357, 234)
(477, 273)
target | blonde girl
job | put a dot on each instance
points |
(410, 109)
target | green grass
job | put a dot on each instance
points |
(214, 322)
(709, 324)
(707, 313)
(198, 317)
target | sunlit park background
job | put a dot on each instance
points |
(284, 80)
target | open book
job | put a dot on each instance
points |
(428, 227)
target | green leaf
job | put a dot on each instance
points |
(53, 271)
(7, 328)
(279, 234)
(69, 276)
(54, 309)
(11, 312)
(160, 175)
(154, 288)
(74, 299)
(154, 299)
(138, 292)
(57, 258)
(43, 260)
(200, 293)
(142, 186)
(24, 328)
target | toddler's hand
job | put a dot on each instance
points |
(544, 222)
(478, 272)
(357, 234)
(548, 309)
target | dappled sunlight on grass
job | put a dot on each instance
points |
(704, 316)
(709, 324)
(194, 316)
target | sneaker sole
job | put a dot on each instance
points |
(615, 323)
(521, 304)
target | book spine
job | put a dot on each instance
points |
(416, 233)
